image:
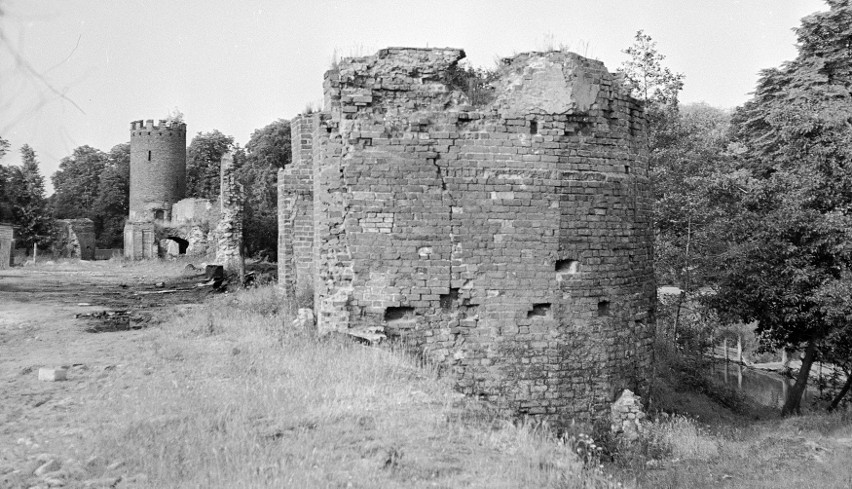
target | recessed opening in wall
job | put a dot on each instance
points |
(533, 127)
(394, 314)
(177, 246)
(159, 214)
(603, 308)
(448, 300)
(539, 310)
(567, 266)
(149, 156)
(627, 169)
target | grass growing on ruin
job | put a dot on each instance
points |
(230, 397)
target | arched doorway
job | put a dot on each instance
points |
(176, 246)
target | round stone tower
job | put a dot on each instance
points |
(157, 168)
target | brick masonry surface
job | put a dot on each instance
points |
(510, 242)
(157, 168)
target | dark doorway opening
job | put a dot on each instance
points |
(182, 245)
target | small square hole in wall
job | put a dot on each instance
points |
(603, 308)
(627, 169)
(539, 310)
(393, 314)
(533, 127)
(567, 266)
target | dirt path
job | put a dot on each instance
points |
(45, 321)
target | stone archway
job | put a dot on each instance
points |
(176, 246)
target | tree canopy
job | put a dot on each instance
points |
(23, 202)
(791, 248)
(203, 158)
(267, 151)
(76, 183)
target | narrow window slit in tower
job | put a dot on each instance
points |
(627, 169)
(149, 156)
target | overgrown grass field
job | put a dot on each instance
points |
(227, 394)
(234, 398)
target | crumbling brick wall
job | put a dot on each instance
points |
(229, 230)
(512, 242)
(296, 212)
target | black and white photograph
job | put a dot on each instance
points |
(439, 244)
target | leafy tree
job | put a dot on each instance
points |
(693, 190)
(111, 206)
(269, 146)
(267, 151)
(76, 183)
(5, 204)
(649, 81)
(203, 158)
(792, 238)
(26, 194)
(4, 147)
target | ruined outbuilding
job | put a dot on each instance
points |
(510, 242)
(75, 238)
(7, 245)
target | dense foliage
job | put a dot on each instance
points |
(22, 199)
(267, 151)
(203, 158)
(791, 251)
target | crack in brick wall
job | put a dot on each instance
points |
(488, 236)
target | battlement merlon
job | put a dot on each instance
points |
(141, 125)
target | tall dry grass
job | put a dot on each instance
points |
(231, 397)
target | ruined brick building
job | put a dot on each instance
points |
(511, 242)
(161, 221)
(75, 238)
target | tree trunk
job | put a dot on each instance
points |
(792, 405)
(840, 395)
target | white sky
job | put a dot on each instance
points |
(236, 66)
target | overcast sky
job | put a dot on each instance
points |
(76, 72)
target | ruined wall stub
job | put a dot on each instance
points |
(7, 245)
(511, 242)
(75, 239)
(229, 230)
(296, 212)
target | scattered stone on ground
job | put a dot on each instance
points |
(52, 374)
